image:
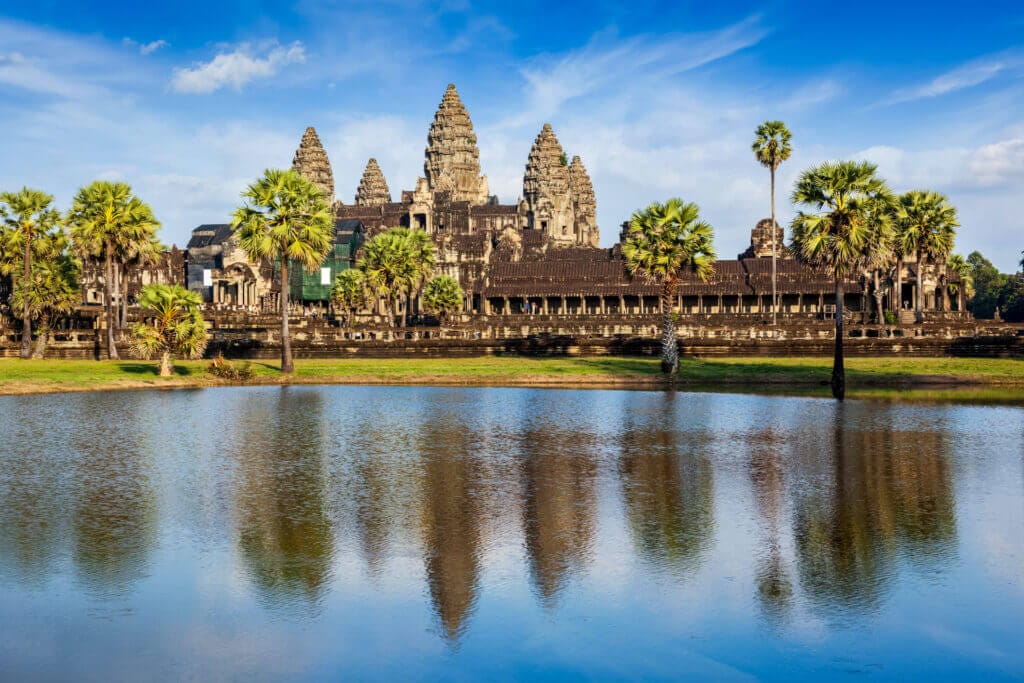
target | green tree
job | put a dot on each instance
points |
(771, 147)
(926, 225)
(662, 241)
(396, 262)
(964, 289)
(989, 285)
(418, 252)
(848, 222)
(51, 290)
(29, 223)
(104, 216)
(177, 325)
(284, 217)
(443, 296)
(349, 293)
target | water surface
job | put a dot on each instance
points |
(397, 533)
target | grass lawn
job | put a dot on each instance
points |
(17, 376)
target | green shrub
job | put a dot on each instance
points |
(225, 369)
(890, 318)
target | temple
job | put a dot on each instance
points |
(539, 255)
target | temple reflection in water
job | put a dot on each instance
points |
(474, 504)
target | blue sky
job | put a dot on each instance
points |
(190, 101)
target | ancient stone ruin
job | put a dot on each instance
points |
(373, 188)
(312, 162)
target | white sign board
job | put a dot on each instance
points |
(325, 276)
(207, 277)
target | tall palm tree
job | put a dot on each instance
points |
(850, 218)
(349, 293)
(958, 265)
(663, 240)
(28, 222)
(177, 325)
(927, 224)
(386, 265)
(418, 254)
(284, 217)
(771, 147)
(51, 290)
(104, 215)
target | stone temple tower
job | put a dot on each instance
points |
(546, 190)
(373, 188)
(452, 156)
(584, 204)
(311, 161)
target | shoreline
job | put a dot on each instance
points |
(749, 375)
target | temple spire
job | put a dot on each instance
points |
(581, 191)
(373, 188)
(452, 156)
(312, 162)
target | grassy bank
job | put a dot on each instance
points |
(17, 376)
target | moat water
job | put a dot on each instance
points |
(416, 533)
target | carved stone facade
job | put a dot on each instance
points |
(546, 189)
(373, 188)
(453, 158)
(761, 241)
(312, 162)
(584, 204)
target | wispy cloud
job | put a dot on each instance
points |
(551, 81)
(965, 76)
(146, 49)
(236, 68)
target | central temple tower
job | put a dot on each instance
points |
(452, 156)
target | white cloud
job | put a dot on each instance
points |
(150, 48)
(235, 69)
(146, 49)
(968, 75)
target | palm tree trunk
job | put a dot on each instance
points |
(166, 364)
(287, 365)
(124, 296)
(774, 249)
(42, 336)
(919, 299)
(26, 313)
(405, 311)
(838, 371)
(879, 314)
(669, 344)
(108, 304)
(897, 300)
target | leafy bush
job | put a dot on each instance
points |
(225, 369)
(890, 318)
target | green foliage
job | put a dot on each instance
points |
(772, 144)
(1013, 310)
(284, 216)
(443, 295)
(850, 227)
(28, 220)
(349, 291)
(990, 286)
(564, 159)
(397, 262)
(662, 240)
(51, 289)
(105, 214)
(665, 238)
(926, 224)
(891, 318)
(225, 369)
(177, 325)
